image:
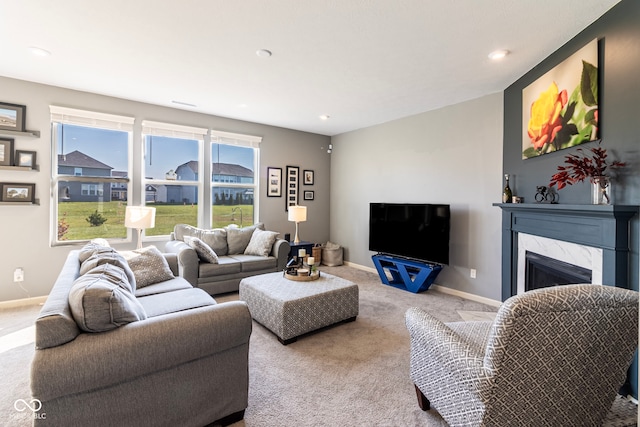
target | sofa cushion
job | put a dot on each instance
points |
(225, 265)
(101, 300)
(256, 262)
(184, 299)
(99, 255)
(148, 265)
(204, 251)
(215, 238)
(261, 242)
(174, 284)
(238, 238)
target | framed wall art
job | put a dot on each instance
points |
(309, 195)
(12, 192)
(560, 109)
(274, 182)
(308, 177)
(25, 158)
(6, 152)
(291, 185)
(12, 116)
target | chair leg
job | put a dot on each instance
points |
(423, 402)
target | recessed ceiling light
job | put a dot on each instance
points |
(498, 54)
(184, 103)
(263, 53)
(39, 51)
(325, 117)
(242, 105)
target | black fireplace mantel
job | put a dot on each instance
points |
(600, 226)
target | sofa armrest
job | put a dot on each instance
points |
(280, 250)
(188, 261)
(172, 260)
(93, 361)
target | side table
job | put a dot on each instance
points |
(307, 246)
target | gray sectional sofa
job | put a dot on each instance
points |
(239, 253)
(162, 353)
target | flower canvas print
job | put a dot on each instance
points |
(560, 109)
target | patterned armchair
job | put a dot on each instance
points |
(553, 356)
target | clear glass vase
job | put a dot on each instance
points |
(601, 192)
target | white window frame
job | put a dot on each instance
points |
(94, 119)
(240, 140)
(154, 128)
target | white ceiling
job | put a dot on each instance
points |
(362, 62)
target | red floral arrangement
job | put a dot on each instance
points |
(582, 165)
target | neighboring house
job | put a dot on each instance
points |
(151, 194)
(119, 189)
(221, 173)
(79, 164)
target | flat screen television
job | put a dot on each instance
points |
(410, 230)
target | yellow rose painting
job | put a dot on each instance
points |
(560, 109)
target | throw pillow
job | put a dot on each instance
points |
(101, 300)
(261, 242)
(102, 255)
(238, 238)
(149, 266)
(205, 253)
(215, 238)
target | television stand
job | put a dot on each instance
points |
(408, 275)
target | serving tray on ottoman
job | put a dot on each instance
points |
(290, 308)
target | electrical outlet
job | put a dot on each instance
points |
(472, 273)
(18, 275)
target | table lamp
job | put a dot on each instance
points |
(140, 217)
(297, 214)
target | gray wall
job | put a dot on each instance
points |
(619, 34)
(452, 155)
(24, 230)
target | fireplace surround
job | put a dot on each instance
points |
(605, 228)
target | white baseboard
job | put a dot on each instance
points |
(438, 288)
(22, 302)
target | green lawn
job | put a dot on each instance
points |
(75, 214)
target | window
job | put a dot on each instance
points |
(172, 170)
(91, 190)
(233, 178)
(92, 158)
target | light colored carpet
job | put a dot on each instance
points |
(353, 374)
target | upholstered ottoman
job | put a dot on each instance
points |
(289, 308)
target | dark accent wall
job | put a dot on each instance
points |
(618, 32)
(619, 109)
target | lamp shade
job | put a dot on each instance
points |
(297, 213)
(140, 217)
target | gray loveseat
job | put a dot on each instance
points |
(239, 253)
(183, 362)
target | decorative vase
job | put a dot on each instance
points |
(601, 192)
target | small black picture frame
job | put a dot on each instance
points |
(274, 182)
(309, 195)
(307, 177)
(25, 159)
(11, 192)
(13, 116)
(6, 151)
